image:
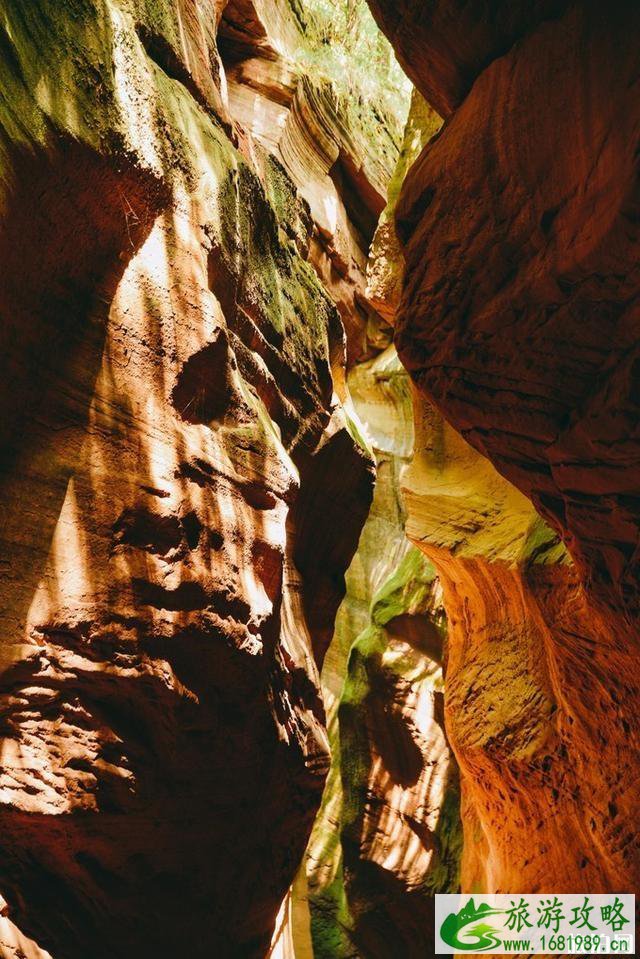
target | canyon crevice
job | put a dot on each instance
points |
(175, 439)
(319, 470)
(517, 321)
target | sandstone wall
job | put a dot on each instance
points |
(518, 321)
(338, 150)
(182, 491)
(388, 834)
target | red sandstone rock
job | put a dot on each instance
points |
(518, 312)
(339, 160)
(443, 46)
(518, 225)
(168, 407)
(536, 683)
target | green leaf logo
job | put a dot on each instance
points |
(480, 937)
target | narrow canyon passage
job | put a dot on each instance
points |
(319, 470)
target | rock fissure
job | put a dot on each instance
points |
(318, 454)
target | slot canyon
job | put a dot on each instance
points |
(319, 470)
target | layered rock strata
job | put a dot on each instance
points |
(173, 542)
(388, 834)
(517, 320)
(443, 49)
(338, 150)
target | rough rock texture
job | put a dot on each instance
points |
(387, 835)
(400, 825)
(444, 46)
(535, 683)
(171, 444)
(518, 318)
(528, 335)
(385, 266)
(339, 153)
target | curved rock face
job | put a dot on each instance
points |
(171, 438)
(339, 152)
(518, 226)
(388, 833)
(385, 266)
(537, 682)
(521, 281)
(387, 836)
(400, 821)
(443, 47)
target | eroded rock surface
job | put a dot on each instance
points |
(388, 834)
(187, 303)
(339, 151)
(517, 319)
(519, 306)
(535, 681)
(444, 47)
(172, 434)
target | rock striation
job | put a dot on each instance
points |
(443, 50)
(172, 542)
(388, 834)
(337, 150)
(213, 285)
(517, 224)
